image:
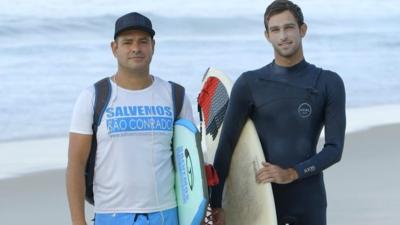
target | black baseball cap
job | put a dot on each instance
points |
(133, 21)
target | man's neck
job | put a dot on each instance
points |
(133, 80)
(289, 61)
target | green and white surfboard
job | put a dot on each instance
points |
(190, 179)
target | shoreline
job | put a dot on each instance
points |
(358, 119)
(49, 153)
(361, 188)
(30, 156)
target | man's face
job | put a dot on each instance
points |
(133, 50)
(285, 34)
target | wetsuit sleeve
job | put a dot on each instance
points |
(335, 125)
(235, 118)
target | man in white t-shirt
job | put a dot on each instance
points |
(134, 181)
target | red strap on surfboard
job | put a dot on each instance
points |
(211, 174)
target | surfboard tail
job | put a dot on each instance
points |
(213, 101)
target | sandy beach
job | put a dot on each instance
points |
(362, 189)
(36, 199)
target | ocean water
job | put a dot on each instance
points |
(51, 50)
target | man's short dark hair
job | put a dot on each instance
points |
(278, 6)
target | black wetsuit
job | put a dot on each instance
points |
(289, 107)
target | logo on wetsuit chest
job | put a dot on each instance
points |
(304, 110)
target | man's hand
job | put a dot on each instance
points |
(218, 216)
(274, 174)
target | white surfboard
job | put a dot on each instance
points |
(244, 200)
(190, 180)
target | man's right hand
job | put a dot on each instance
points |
(218, 216)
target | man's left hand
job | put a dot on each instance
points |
(275, 174)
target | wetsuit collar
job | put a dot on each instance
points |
(285, 70)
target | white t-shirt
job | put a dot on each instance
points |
(133, 171)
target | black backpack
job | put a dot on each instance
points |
(102, 97)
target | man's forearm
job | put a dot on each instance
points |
(75, 190)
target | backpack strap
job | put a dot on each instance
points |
(178, 95)
(102, 97)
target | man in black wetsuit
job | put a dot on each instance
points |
(289, 101)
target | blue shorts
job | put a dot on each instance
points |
(166, 217)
